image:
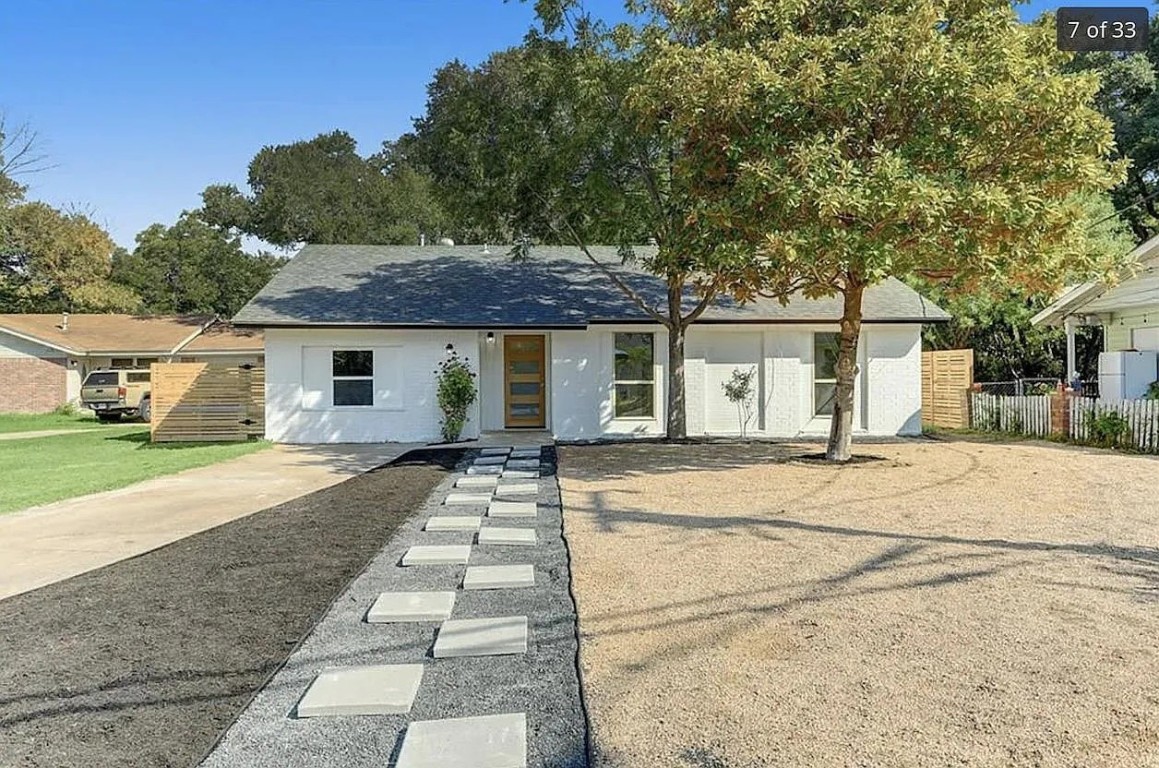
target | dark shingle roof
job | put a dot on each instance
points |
(462, 286)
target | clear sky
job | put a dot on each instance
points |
(142, 103)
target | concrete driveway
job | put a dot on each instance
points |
(46, 544)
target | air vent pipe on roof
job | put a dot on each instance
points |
(64, 321)
(446, 241)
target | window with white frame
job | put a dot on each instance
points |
(635, 389)
(352, 371)
(825, 348)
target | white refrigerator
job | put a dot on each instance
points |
(1126, 375)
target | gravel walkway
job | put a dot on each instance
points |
(951, 604)
(543, 682)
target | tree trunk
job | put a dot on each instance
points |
(841, 428)
(677, 421)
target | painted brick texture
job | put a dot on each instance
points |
(32, 384)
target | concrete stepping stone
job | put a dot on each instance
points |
(391, 607)
(526, 453)
(490, 741)
(477, 481)
(484, 461)
(459, 499)
(499, 577)
(386, 689)
(523, 464)
(437, 554)
(519, 537)
(453, 523)
(512, 509)
(482, 637)
(496, 451)
(520, 474)
(517, 489)
(486, 469)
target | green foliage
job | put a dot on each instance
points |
(1152, 391)
(852, 141)
(456, 393)
(192, 268)
(322, 191)
(67, 408)
(739, 391)
(1128, 96)
(1109, 430)
(52, 261)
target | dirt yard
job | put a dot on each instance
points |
(953, 603)
(147, 661)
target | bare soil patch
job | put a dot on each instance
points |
(954, 603)
(146, 661)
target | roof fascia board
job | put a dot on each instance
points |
(42, 342)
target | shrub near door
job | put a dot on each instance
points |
(456, 394)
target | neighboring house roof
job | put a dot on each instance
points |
(225, 338)
(1139, 287)
(93, 334)
(462, 286)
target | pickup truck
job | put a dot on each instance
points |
(113, 394)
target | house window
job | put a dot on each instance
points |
(635, 391)
(825, 348)
(121, 362)
(145, 362)
(353, 374)
(137, 377)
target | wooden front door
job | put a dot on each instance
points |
(524, 380)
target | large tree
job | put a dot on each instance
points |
(52, 261)
(1128, 97)
(322, 191)
(192, 268)
(855, 140)
(539, 145)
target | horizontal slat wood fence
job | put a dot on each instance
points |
(203, 402)
(947, 376)
(1023, 415)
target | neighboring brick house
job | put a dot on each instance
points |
(44, 358)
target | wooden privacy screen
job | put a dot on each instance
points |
(207, 402)
(947, 376)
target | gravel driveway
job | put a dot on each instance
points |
(953, 603)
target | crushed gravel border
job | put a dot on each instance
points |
(543, 682)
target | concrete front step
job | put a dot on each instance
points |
(490, 741)
(495, 451)
(391, 607)
(482, 637)
(499, 577)
(526, 453)
(484, 461)
(523, 464)
(386, 689)
(493, 469)
(437, 554)
(519, 474)
(517, 537)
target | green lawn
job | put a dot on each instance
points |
(34, 422)
(43, 469)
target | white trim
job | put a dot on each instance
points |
(43, 343)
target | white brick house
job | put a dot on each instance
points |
(353, 335)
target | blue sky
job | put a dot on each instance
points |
(141, 104)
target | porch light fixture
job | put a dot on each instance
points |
(490, 337)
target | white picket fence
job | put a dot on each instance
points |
(1023, 415)
(1121, 423)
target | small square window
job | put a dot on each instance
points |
(353, 392)
(825, 349)
(358, 362)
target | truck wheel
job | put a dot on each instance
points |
(146, 410)
(108, 417)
